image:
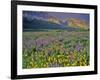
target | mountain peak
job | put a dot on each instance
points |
(78, 23)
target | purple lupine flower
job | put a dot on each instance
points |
(42, 42)
(79, 47)
(38, 42)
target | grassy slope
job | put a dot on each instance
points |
(55, 49)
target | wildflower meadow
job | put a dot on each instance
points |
(55, 48)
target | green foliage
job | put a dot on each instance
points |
(72, 49)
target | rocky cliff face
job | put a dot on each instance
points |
(54, 20)
(45, 18)
(77, 23)
(71, 22)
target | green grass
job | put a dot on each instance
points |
(55, 48)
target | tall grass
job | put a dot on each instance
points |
(55, 49)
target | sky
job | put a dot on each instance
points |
(60, 15)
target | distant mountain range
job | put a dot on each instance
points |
(51, 22)
(77, 23)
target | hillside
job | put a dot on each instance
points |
(41, 24)
(77, 23)
(51, 22)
